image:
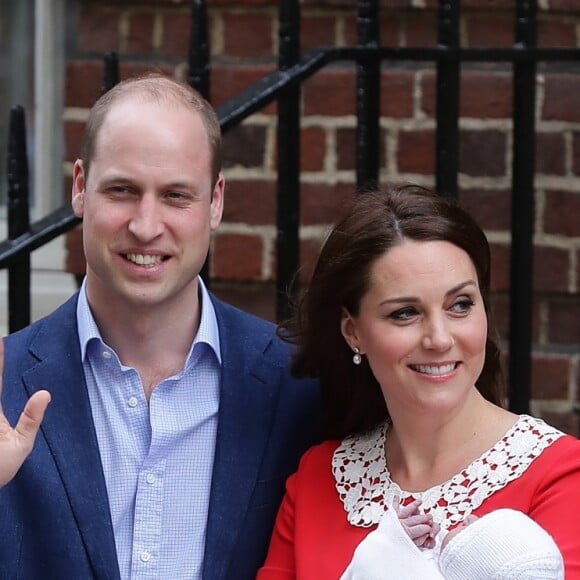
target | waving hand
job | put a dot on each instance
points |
(16, 443)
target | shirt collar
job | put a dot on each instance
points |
(207, 333)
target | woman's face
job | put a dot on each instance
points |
(422, 326)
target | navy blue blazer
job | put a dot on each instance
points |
(54, 516)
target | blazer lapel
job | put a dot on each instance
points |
(247, 397)
(69, 431)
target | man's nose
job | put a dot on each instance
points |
(146, 221)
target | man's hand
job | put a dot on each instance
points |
(17, 443)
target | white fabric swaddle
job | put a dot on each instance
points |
(502, 545)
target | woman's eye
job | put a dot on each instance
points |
(403, 314)
(462, 305)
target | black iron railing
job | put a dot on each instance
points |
(283, 85)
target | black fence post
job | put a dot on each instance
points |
(368, 94)
(523, 211)
(288, 162)
(198, 75)
(447, 131)
(198, 61)
(111, 72)
(18, 221)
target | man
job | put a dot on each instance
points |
(174, 421)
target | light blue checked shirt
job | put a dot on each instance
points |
(157, 458)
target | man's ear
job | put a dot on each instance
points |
(217, 202)
(78, 188)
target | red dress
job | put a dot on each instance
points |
(313, 539)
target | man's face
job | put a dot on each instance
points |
(148, 205)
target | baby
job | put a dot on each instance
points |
(504, 544)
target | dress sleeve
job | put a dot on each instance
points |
(555, 505)
(280, 562)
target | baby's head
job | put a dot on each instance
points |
(501, 544)
(450, 535)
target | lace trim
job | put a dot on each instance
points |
(365, 487)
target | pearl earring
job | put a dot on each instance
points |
(356, 357)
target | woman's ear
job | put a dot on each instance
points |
(348, 328)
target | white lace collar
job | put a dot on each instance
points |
(366, 489)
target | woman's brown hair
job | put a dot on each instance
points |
(374, 223)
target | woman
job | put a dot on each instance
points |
(395, 326)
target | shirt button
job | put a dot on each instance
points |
(145, 556)
(107, 354)
(150, 478)
(132, 402)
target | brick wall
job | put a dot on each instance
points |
(243, 41)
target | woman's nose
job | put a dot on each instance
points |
(438, 336)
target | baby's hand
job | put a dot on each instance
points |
(420, 527)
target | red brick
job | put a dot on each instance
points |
(490, 208)
(550, 377)
(397, 93)
(482, 153)
(317, 31)
(129, 70)
(176, 32)
(564, 5)
(330, 92)
(500, 319)
(389, 28)
(83, 83)
(229, 81)
(244, 146)
(564, 320)
(75, 258)
(416, 152)
(140, 37)
(550, 153)
(486, 95)
(258, 299)
(323, 204)
(562, 213)
(561, 102)
(73, 132)
(479, 29)
(566, 421)
(312, 149)
(246, 2)
(346, 149)
(237, 257)
(248, 35)
(250, 202)
(500, 267)
(98, 29)
(576, 152)
(421, 29)
(309, 252)
(483, 94)
(554, 34)
(490, 4)
(551, 266)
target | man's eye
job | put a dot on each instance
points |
(119, 189)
